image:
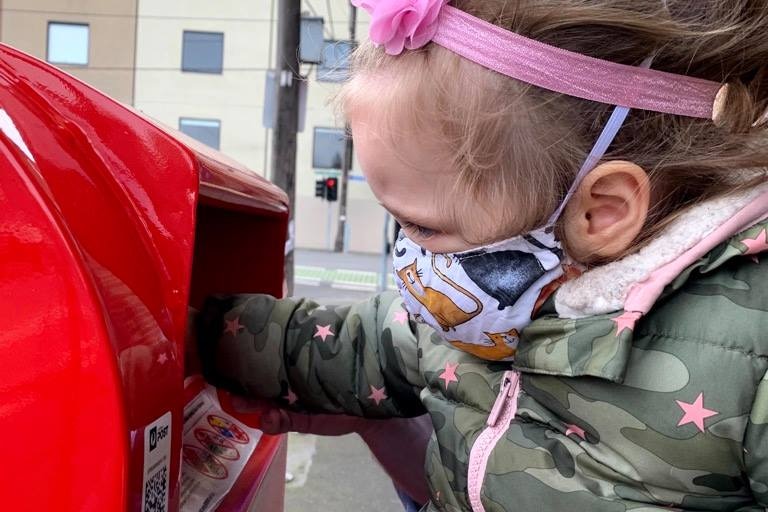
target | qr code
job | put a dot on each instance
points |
(155, 491)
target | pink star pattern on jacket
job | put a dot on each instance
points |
(377, 394)
(323, 331)
(626, 320)
(575, 429)
(401, 317)
(757, 244)
(233, 326)
(695, 412)
(449, 373)
(162, 358)
(291, 397)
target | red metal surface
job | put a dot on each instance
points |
(97, 235)
(262, 483)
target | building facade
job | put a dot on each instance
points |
(201, 67)
(94, 40)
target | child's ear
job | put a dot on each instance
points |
(607, 212)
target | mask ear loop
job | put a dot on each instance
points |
(611, 129)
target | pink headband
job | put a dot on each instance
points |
(411, 24)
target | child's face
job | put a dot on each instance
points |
(411, 176)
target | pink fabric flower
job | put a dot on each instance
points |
(399, 24)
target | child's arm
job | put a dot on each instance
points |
(359, 360)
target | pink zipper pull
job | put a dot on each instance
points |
(509, 384)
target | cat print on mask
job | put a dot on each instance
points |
(479, 300)
(490, 271)
(502, 348)
(444, 310)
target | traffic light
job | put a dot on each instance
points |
(331, 189)
(320, 188)
(327, 188)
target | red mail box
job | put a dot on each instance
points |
(110, 227)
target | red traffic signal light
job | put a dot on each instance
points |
(331, 189)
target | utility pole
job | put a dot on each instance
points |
(286, 124)
(346, 165)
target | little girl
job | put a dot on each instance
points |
(584, 290)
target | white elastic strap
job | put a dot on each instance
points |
(611, 129)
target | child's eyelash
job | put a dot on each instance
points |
(420, 230)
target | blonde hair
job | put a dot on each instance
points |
(519, 146)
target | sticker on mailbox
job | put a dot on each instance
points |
(157, 462)
(216, 448)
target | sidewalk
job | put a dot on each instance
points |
(337, 472)
(346, 271)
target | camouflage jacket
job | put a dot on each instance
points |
(611, 412)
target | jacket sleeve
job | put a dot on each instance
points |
(360, 360)
(756, 445)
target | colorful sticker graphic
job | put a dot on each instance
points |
(209, 437)
(217, 444)
(228, 429)
(204, 462)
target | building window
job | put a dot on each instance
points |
(335, 62)
(202, 52)
(68, 43)
(328, 146)
(207, 131)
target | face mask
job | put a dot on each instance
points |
(478, 300)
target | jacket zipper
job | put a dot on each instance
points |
(502, 413)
